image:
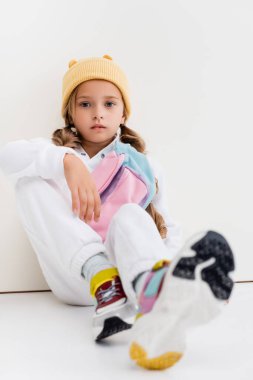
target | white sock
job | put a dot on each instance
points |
(94, 265)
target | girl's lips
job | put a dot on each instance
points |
(98, 125)
(98, 128)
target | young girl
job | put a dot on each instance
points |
(94, 206)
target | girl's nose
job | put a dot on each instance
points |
(98, 117)
(98, 113)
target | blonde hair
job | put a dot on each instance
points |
(70, 137)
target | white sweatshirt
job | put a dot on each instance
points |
(40, 157)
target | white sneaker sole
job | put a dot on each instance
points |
(193, 290)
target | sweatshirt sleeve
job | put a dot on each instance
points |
(34, 157)
(173, 240)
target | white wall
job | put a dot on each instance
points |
(189, 65)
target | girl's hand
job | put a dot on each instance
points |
(85, 197)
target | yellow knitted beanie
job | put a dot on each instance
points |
(94, 68)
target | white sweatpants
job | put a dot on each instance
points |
(62, 242)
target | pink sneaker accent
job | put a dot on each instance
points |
(151, 289)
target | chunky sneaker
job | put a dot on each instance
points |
(113, 312)
(192, 292)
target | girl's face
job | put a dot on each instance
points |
(98, 102)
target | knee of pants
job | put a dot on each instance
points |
(128, 213)
(29, 188)
(27, 184)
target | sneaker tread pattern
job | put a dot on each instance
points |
(212, 245)
(113, 325)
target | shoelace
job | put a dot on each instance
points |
(105, 295)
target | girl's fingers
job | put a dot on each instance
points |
(83, 203)
(90, 206)
(75, 201)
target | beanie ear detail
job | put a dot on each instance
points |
(107, 57)
(72, 62)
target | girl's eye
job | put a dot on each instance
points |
(111, 103)
(83, 104)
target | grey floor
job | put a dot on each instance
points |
(42, 338)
